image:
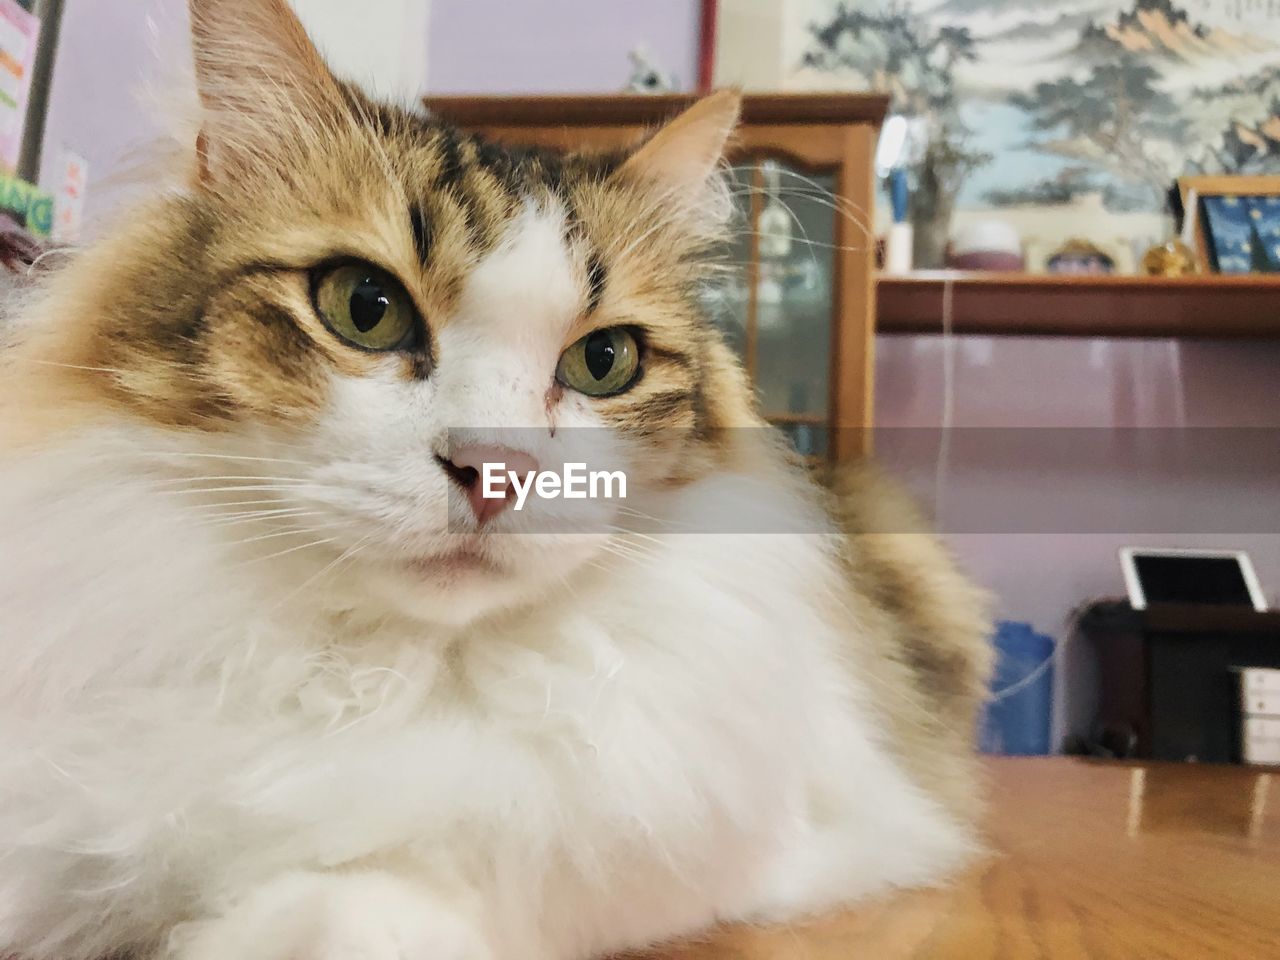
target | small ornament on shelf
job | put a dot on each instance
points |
(1079, 257)
(647, 76)
(1175, 257)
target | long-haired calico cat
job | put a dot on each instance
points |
(276, 685)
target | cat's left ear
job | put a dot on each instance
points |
(261, 82)
(685, 154)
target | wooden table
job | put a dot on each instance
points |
(1092, 860)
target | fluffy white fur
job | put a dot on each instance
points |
(218, 743)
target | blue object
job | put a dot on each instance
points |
(898, 194)
(1018, 713)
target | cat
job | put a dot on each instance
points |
(276, 685)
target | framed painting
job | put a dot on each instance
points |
(1061, 118)
(1237, 226)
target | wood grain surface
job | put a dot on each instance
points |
(1023, 304)
(630, 109)
(1090, 860)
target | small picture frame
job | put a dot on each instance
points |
(1236, 222)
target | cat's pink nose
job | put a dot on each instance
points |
(484, 473)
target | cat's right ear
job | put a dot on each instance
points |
(685, 154)
(261, 82)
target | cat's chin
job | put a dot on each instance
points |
(451, 588)
(455, 564)
(460, 579)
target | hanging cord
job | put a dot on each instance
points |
(942, 475)
(942, 471)
(1017, 687)
(1070, 627)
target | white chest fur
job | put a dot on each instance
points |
(678, 738)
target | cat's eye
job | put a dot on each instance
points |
(366, 306)
(602, 363)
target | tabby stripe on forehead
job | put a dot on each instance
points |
(449, 170)
(471, 203)
(421, 232)
(596, 276)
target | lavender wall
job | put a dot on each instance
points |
(556, 46)
(109, 56)
(116, 59)
(1048, 383)
(123, 65)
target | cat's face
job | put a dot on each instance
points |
(374, 304)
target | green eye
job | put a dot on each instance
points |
(601, 363)
(366, 306)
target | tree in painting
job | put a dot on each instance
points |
(896, 50)
(1067, 186)
(1239, 136)
(1117, 118)
(1129, 122)
(1071, 99)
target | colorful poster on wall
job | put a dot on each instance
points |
(26, 205)
(19, 31)
(1089, 104)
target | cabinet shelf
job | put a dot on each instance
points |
(810, 419)
(1214, 307)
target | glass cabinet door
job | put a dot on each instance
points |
(776, 306)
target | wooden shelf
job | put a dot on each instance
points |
(635, 109)
(1033, 305)
(809, 419)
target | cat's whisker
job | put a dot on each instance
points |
(628, 550)
(820, 189)
(167, 454)
(641, 515)
(829, 201)
(815, 193)
(289, 532)
(237, 488)
(808, 241)
(651, 211)
(626, 557)
(819, 244)
(237, 519)
(343, 558)
(810, 188)
(622, 254)
(632, 533)
(287, 551)
(231, 478)
(840, 205)
(67, 366)
(269, 522)
(219, 505)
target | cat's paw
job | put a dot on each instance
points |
(355, 916)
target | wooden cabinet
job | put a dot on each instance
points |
(802, 308)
